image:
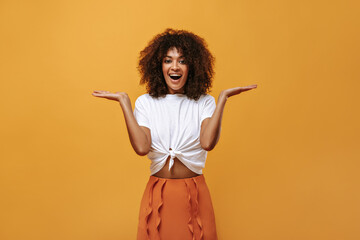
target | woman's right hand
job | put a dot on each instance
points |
(140, 137)
(121, 97)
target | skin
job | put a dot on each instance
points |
(140, 137)
(174, 63)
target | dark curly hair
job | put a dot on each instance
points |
(197, 56)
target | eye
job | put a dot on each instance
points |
(182, 61)
(167, 61)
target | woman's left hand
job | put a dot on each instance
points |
(225, 94)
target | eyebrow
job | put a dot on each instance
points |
(171, 57)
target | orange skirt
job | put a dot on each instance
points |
(176, 209)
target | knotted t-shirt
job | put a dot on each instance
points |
(175, 123)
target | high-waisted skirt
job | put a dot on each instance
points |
(176, 209)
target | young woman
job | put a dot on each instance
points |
(175, 124)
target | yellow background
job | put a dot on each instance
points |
(287, 164)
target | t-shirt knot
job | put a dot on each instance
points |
(173, 154)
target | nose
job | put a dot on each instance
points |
(175, 65)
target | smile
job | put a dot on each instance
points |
(175, 76)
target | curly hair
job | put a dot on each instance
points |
(198, 58)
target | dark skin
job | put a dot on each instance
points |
(140, 137)
(179, 170)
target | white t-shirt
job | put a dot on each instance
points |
(175, 123)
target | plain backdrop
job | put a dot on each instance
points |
(287, 164)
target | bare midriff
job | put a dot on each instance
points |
(178, 170)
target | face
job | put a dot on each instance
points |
(175, 70)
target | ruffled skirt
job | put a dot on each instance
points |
(176, 209)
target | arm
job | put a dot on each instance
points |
(210, 127)
(140, 137)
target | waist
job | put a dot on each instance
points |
(178, 170)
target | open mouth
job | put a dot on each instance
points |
(175, 76)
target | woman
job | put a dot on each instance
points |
(175, 124)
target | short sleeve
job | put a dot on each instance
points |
(141, 113)
(208, 108)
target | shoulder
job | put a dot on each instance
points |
(146, 101)
(142, 102)
(143, 98)
(206, 98)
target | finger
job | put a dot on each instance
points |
(238, 90)
(249, 87)
(246, 89)
(98, 94)
(101, 91)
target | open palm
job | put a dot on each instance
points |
(237, 90)
(109, 95)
